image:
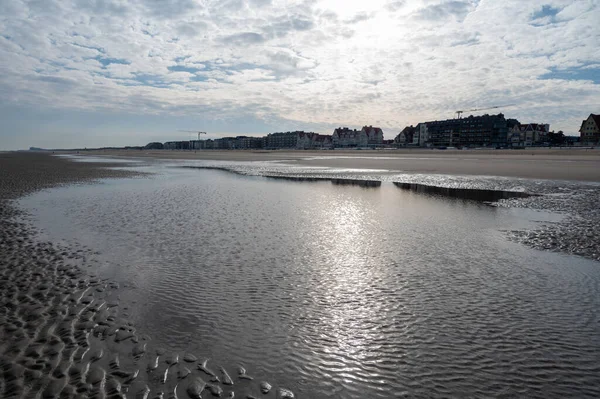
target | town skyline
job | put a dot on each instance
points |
(111, 72)
(487, 130)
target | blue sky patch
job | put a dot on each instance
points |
(199, 78)
(576, 73)
(98, 49)
(544, 16)
(181, 68)
(151, 80)
(546, 11)
(105, 61)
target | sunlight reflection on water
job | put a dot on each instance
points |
(339, 290)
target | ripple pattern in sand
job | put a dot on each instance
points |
(346, 291)
(64, 335)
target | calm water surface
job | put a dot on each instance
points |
(340, 291)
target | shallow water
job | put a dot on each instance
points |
(337, 290)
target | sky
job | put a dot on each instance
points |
(90, 73)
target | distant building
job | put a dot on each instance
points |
(177, 145)
(372, 135)
(323, 141)
(443, 133)
(275, 141)
(590, 130)
(345, 137)
(421, 135)
(311, 140)
(367, 136)
(406, 136)
(511, 123)
(219, 144)
(572, 140)
(481, 131)
(248, 142)
(208, 144)
(225, 143)
(154, 146)
(528, 134)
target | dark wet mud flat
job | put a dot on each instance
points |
(335, 290)
(48, 305)
(63, 331)
(64, 334)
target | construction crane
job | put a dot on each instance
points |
(459, 113)
(193, 131)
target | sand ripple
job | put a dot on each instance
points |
(63, 333)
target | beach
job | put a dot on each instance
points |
(52, 308)
(555, 164)
(64, 331)
(315, 199)
(304, 280)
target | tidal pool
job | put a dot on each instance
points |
(338, 290)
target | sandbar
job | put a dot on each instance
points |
(555, 164)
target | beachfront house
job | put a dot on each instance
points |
(307, 141)
(405, 137)
(367, 136)
(371, 135)
(345, 137)
(528, 134)
(590, 130)
(274, 141)
(421, 135)
(323, 141)
(472, 131)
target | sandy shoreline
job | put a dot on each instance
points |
(558, 164)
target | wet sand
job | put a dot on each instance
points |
(66, 333)
(559, 164)
(63, 331)
(49, 346)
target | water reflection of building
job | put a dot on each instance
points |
(352, 182)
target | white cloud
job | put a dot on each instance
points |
(327, 62)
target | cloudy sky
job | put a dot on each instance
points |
(119, 72)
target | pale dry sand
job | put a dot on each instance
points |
(559, 164)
